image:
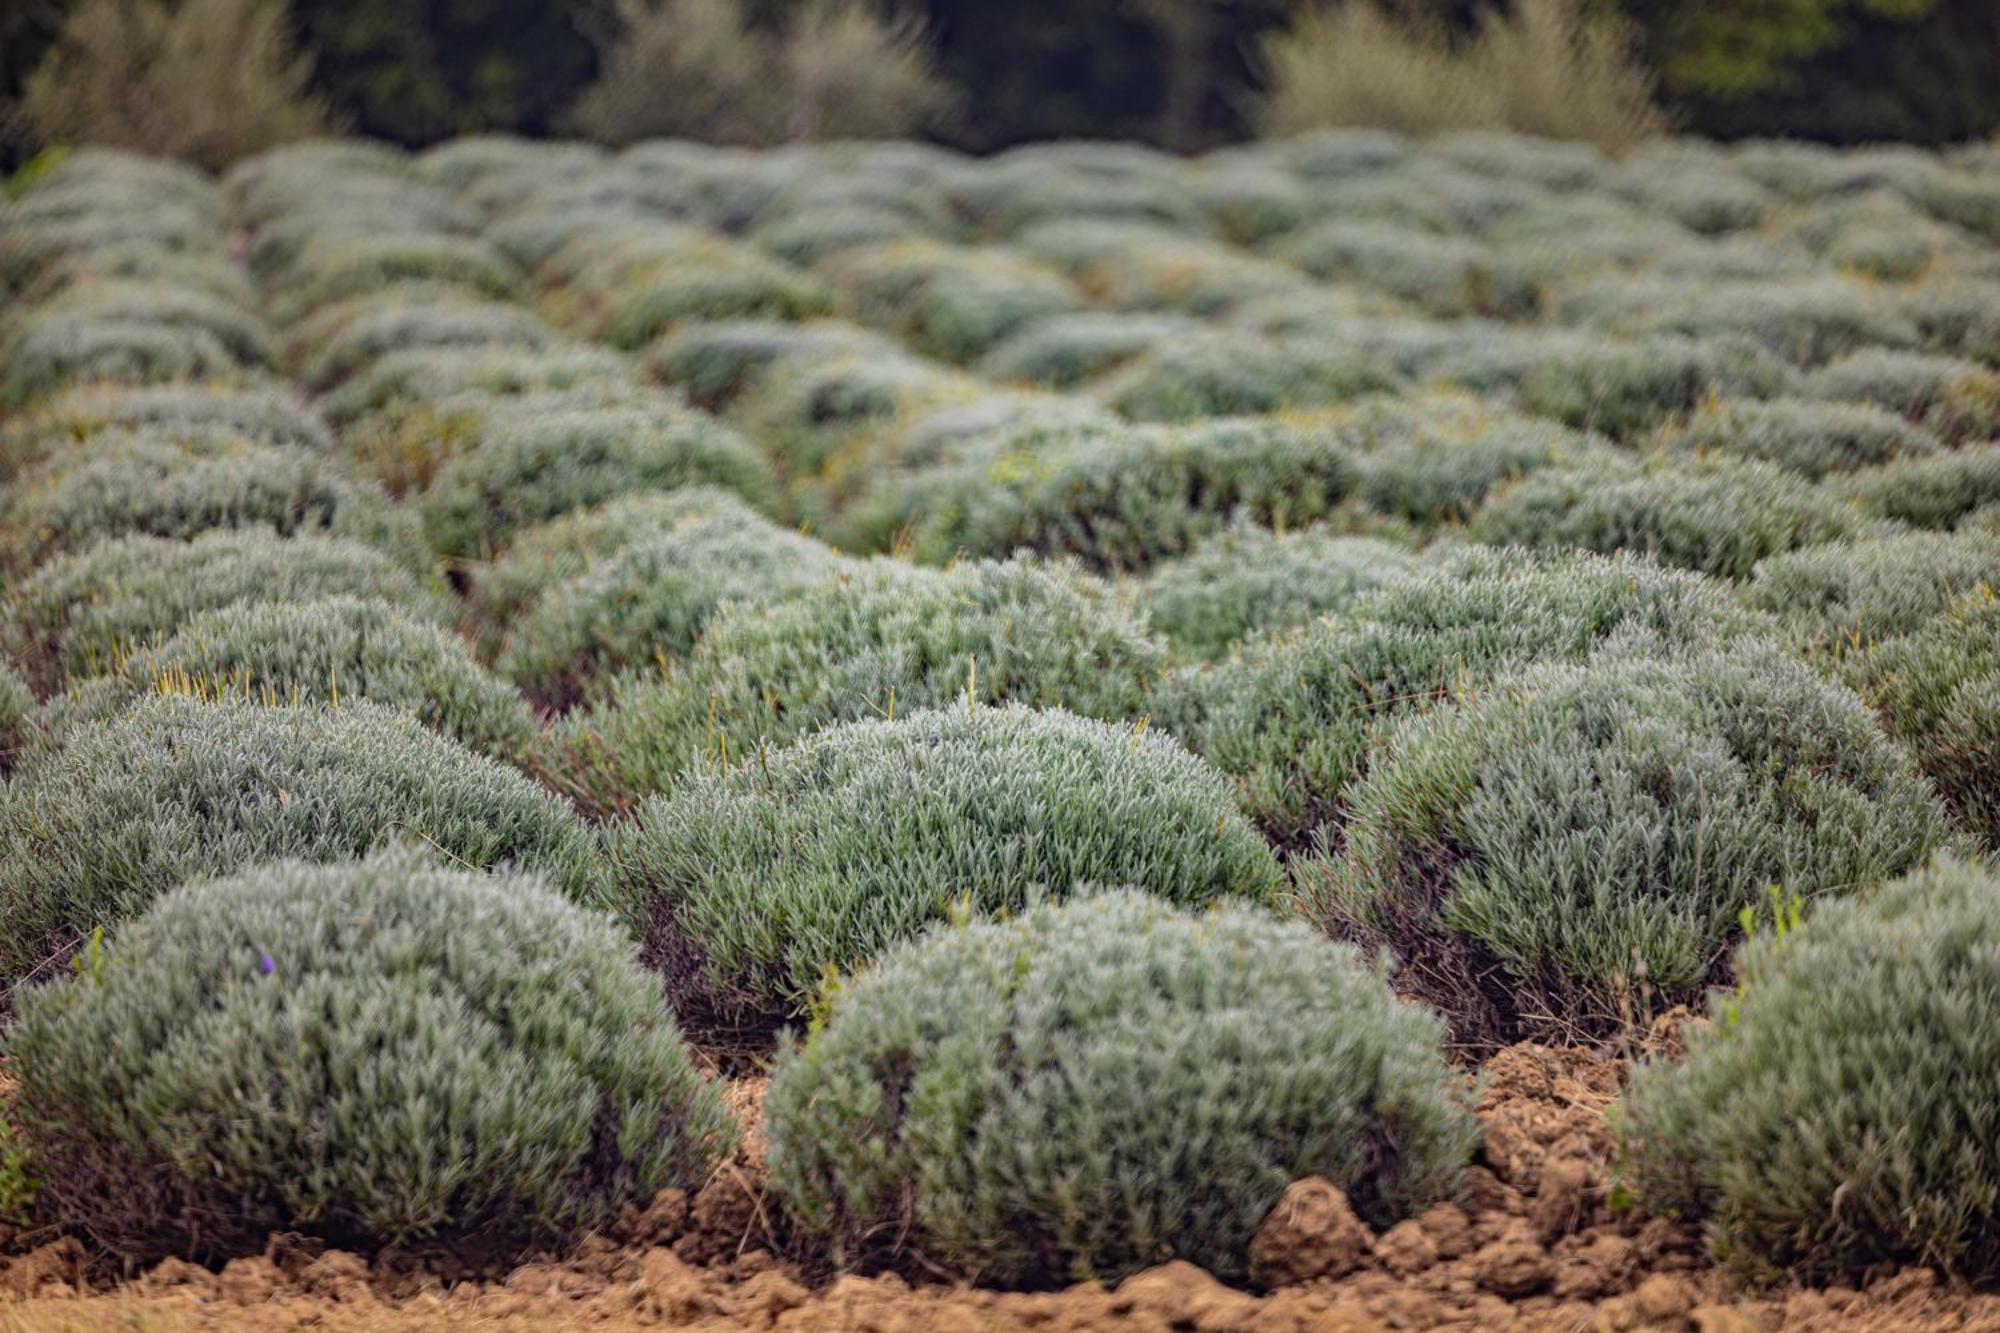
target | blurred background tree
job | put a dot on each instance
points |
(1185, 73)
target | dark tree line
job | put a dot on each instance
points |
(1182, 72)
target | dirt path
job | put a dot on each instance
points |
(1535, 1247)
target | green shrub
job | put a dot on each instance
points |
(1570, 850)
(1235, 374)
(1814, 439)
(815, 234)
(370, 335)
(715, 363)
(375, 1052)
(531, 466)
(1848, 594)
(1062, 351)
(753, 885)
(259, 415)
(1807, 322)
(431, 375)
(1930, 492)
(118, 487)
(1290, 717)
(1958, 399)
(17, 708)
(333, 650)
(79, 615)
(953, 304)
(1958, 316)
(48, 353)
(1623, 389)
(1438, 468)
(732, 283)
(804, 412)
(1718, 515)
(501, 592)
(1093, 1088)
(1123, 499)
(1445, 275)
(1938, 690)
(359, 265)
(649, 602)
(174, 307)
(174, 789)
(1249, 578)
(1822, 1122)
(879, 640)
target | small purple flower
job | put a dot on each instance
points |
(267, 964)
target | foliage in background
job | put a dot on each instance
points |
(703, 69)
(1551, 67)
(206, 80)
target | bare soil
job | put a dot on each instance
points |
(1534, 1247)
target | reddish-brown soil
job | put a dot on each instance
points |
(1534, 1245)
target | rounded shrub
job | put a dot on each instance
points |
(880, 639)
(1437, 469)
(48, 353)
(174, 789)
(120, 486)
(1823, 1122)
(437, 374)
(1937, 688)
(374, 1053)
(1805, 321)
(1930, 492)
(259, 415)
(1124, 498)
(1845, 595)
(389, 327)
(17, 708)
(752, 885)
(171, 306)
(716, 363)
(1814, 439)
(649, 602)
(338, 649)
(504, 590)
(1249, 578)
(731, 283)
(1232, 373)
(1290, 717)
(82, 614)
(1063, 351)
(1570, 850)
(1624, 388)
(530, 466)
(1956, 398)
(356, 266)
(1444, 275)
(1717, 515)
(1096, 1087)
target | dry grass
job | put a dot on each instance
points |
(1550, 67)
(209, 81)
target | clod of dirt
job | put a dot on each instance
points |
(1311, 1234)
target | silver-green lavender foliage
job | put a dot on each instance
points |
(261, 415)
(373, 334)
(82, 614)
(1956, 398)
(751, 885)
(1845, 595)
(375, 1052)
(1830, 1120)
(1812, 438)
(535, 465)
(1096, 1087)
(175, 789)
(117, 486)
(1250, 578)
(1719, 516)
(1938, 690)
(1235, 373)
(1124, 498)
(1930, 492)
(1571, 848)
(434, 374)
(337, 649)
(1626, 388)
(649, 602)
(883, 639)
(48, 353)
(1290, 716)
